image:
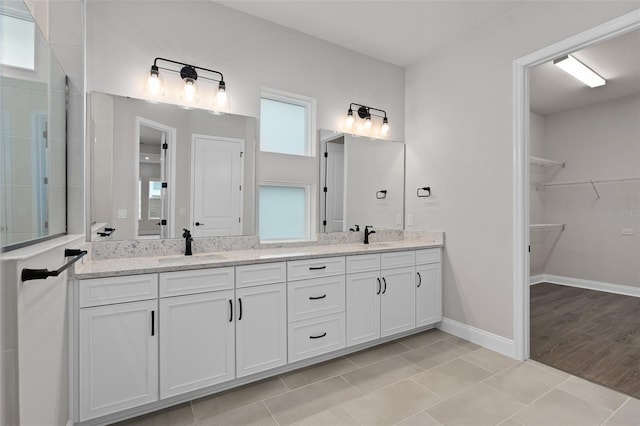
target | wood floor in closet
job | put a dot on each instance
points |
(590, 334)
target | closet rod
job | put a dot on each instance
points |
(587, 182)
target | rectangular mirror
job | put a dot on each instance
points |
(363, 182)
(33, 140)
(157, 168)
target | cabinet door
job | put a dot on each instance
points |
(118, 357)
(196, 342)
(398, 306)
(363, 307)
(428, 294)
(261, 328)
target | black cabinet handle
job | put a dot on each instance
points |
(379, 286)
(320, 336)
(385, 285)
(419, 279)
(317, 297)
(199, 224)
(240, 313)
(316, 268)
(230, 310)
(153, 323)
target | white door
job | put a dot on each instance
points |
(118, 357)
(398, 306)
(196, 342)
(217, 165)
(261, 328)
(428, 296)
(363, 307)
(335, 187)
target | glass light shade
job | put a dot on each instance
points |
(384, 129)
(348, 123)
(221, 97)
(154, 85)
(367, 123)
(189, 90)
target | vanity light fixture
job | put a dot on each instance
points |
(189, 75)
(577, 69)
(364, 113)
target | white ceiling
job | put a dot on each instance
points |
(399, 32)
(617, 60)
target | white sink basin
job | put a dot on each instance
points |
(190, 259)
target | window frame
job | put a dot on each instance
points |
(309, 105)
(307, 210)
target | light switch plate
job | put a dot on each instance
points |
(410, 220)
(122, 213)
(398, 219)
(627, 231)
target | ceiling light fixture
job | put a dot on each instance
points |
(189, 75)
(577, 69)
(364, 112)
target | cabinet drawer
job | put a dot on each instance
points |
(315, 297)
(427, 256)
(397, 259)
(313, 268)
(106, 291)
(262, 273)
(363, 263)
(197, 281)
(316, 336)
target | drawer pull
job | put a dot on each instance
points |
(317, 297)
(419, 279)
(230, 310)
(385, 285)
(379, 286)
(240, 313)
(153, 323)
(320, 336)
(317, 268)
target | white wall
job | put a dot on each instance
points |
(459, 142)
(601, 141)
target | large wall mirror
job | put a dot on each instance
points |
(32, 132)
(362, 182)
(157, 168)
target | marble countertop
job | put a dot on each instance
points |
(144, 265)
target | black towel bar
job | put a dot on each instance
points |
(43, 274)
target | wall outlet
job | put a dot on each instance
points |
(410, 220)
(626, 231)
(122, 213)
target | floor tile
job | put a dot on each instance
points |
(180, 415)
(627, 415)
(335, 417)
(374, 376)
(307, 401)
(378, 353)
(255, 414)
(546, 367)
(315, 373)
(391, 404)
(558, 408)
(435, 354)
(234, 398)
(424, 338)
(594, 393)
(510, 422)
(478, 406)
(420, 419)
(525, 382)
(452, 377)
(490, 360)
(464, 343)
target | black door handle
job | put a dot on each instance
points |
(385, 285)
(419, 279)
(316, 268)
(319, 336)
(230, 310)
(317, 297)
(240, 313)
(199, 224)
(379, 286)
(153, 323)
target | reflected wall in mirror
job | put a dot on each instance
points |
(32, 132)
(158, 168)
(363, 180)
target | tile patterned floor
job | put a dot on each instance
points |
(429, 379)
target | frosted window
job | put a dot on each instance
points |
(283, 127)
(17, 42)
(283, 213)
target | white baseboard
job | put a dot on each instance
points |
(587, 284)
(480, 337)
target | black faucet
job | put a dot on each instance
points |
(367, 233)
(188, 239)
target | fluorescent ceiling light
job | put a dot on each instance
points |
(571, 65)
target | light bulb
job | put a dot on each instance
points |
(154, 83)
(385, 127)
(349, 121)
(367, 123)
(189, 90)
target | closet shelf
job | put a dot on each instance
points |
(546, 226)
(544, 162)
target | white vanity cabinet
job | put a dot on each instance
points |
(118, 344)
(428, 287)
(397, 298)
